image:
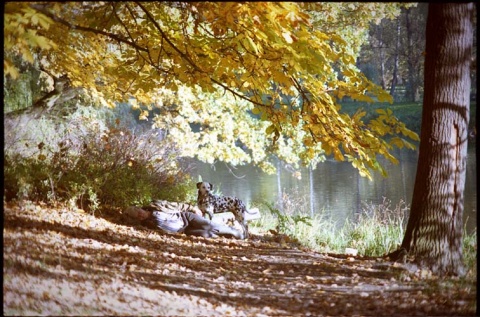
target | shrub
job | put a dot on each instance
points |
(95, 165)
(287, 224)
(124, 168)
(25, 178)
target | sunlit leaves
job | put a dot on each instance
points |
(9, 69)
(223, 130)
(266, 77)
(22, 34)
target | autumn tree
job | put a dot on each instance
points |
(434, 231)
(233, 81)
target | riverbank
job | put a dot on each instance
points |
(59, 261)
(334, 190)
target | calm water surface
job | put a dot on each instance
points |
(333, 189)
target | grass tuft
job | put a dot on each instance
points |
(377, 230)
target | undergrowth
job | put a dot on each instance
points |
(92, 164)
(377, 230)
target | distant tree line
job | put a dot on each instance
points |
(393, 56)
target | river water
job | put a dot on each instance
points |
(333, 189)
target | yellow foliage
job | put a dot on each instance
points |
(9, 69)
(215, 64)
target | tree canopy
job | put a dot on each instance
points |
(231, 81)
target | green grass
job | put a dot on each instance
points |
(376, 231)
(470, 252)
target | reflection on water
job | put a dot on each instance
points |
(334, 189)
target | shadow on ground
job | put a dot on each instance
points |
(246, 275)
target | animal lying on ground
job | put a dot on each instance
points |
(169, 206)
(173, 217)
(211, 204)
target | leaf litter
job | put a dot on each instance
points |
(59, 261)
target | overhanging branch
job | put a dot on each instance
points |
(189, 60)
(119, 38)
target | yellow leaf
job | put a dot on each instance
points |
(338, 154)
(252, 44)
(398, 142)
(35, 19)
(27, 55)
(133, 102)
(44, 43)
(270, 129)
(9, 69)
(44, 21)
(256, 110)
(144, 115)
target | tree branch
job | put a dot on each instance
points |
(188, 59)
(121, 39)
(164, 36)
(113, 36)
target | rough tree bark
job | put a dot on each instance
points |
(433, 235)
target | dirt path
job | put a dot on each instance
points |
(63, 262)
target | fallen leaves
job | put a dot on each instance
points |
(63, 262)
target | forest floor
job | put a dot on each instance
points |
(58, 261)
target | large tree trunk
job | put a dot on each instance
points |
(434, 231)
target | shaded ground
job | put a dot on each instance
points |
(64, 262)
